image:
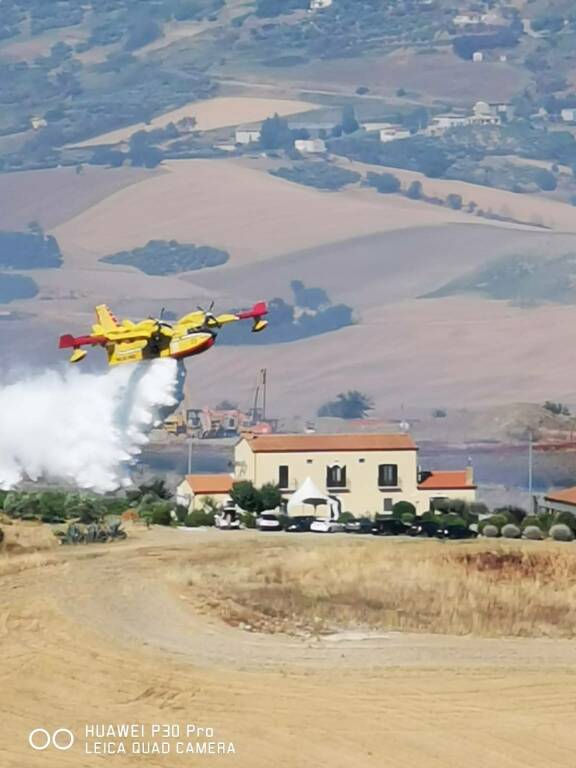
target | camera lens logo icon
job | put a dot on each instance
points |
(40, 739)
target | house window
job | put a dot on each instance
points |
(335, 476)
(309, 461)
(388, 504)
(361, 461)
(283, 476)
(387, 475)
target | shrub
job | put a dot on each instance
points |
(386, 183)
(415, 192)
(530, 520)
(248, 520)
(159, 513)
(514, 514)
(317, 174)
(491, 531)
(346, 517)
(561, 532)
(565, 518)
(533, 532)
(402, 508)
(497, 521)
(511, 531)
(181, 513)
(454, 201)
(199, 518)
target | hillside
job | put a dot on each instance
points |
(119, 127)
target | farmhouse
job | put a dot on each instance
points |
(568, 115)
(442, 123)
(393, 132)
(310, 146)
(492, 113)
(247, 136)
(363, 473)
(194, 489)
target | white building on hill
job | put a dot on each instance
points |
(247, 136)
(310, 146)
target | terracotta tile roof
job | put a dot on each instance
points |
(567, 496)
(315, 442)
(208, 484)
(445, 481)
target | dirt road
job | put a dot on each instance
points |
(108, 636)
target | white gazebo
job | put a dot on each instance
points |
(308, 493)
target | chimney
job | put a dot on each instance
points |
(469, 472)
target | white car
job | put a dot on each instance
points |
(268, 522)
(323, 525)
(228, 518)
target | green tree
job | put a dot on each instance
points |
(348, 405)
(143, 30)
(275, 133)
(454, 201)
(385, 183)
(349, 121)
(270, 496)
(414, 191)
(246, 496)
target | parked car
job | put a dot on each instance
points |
(362, 525)
(456, 532)
(228, 519)
(323, 525)
(268, 521)
(389, 526)
(423, 528)
(300, 524)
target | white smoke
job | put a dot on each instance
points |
(84, 428)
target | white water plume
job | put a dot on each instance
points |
(84, 428)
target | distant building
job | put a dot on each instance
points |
(468, 18)
(473, 18)
(442, 123)
(393, 132)
(376, 125)
(312, 129)
(247, 136)
(319, 5)
(194, 489)
(568, 115)
(38, 122)
(492, 112)
(310, 146)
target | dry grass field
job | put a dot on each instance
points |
(537, 210)
(478, 589)
(220, 112)
(242, 209)
(439, 76)
(112, 635)
(53, 196)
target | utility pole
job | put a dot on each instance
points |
(190, 456)
(530, 463)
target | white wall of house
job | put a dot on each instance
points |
(363, 493)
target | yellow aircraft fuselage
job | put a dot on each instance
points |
(128, 342)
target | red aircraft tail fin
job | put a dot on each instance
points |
(258, 310)
(67, 341)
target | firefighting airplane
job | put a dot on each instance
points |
(128, 342)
